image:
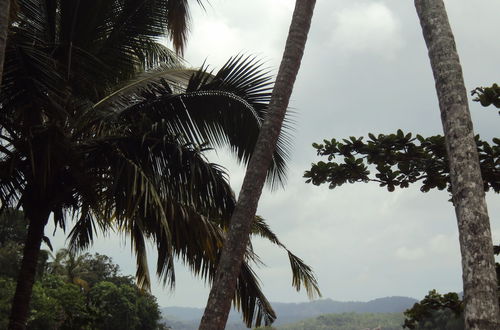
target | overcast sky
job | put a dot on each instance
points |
(365, 69)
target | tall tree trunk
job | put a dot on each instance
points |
(219, 301)
(478, 265)
(26, 277)
(4, 28)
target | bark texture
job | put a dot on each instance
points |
(478, 265)
(26, 277)
(4, 28)
(219, 301)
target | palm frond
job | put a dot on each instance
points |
(302, 274)
(178, 22)
(12, 181)
(139, 247)
(176, 76)
(197, 242)
(251, 301)
(95, 47)
(225, 109)
(85, 229)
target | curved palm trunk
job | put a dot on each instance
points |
(26, 278)
(219, 301)
(478, 265)
(4, 28)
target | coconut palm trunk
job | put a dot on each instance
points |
(478, 265)
(27, 272)
(219, 301)
(4, 28)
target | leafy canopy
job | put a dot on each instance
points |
(402, 159)
(398, 161)
(111, 301)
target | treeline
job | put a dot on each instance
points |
(348, 321)
(73, 291)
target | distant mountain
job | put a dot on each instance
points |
(185, 318)
(288, 313)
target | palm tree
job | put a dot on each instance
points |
(478, 264)
(70, 266)
(58, 52)
(56, 265)
(189, 225)
(233, 252)
(73, 146)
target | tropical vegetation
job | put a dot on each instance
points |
(73, 291)
(436, 311)
(398, 160)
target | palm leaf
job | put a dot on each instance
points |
(176, 76)
(302, 274)
(212, 108)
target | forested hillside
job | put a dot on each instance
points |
(349, 321)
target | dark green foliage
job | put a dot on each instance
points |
(13, 229)
(86, 270)
(147, 312)
(59, 304)
(122, 306)
(10, 258)
(402, 159)
(436, 311)
(488, 95)
(7, 287)
(113, 306)
(60, 301)
(398, 160)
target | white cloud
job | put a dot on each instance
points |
(367, 28)
(228, 28)
(410, 254)
(444, 244)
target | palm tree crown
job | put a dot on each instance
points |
(101, 124)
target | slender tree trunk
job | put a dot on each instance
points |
(219, 301)
(478, 265)
(26, 277)
(4, 28)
